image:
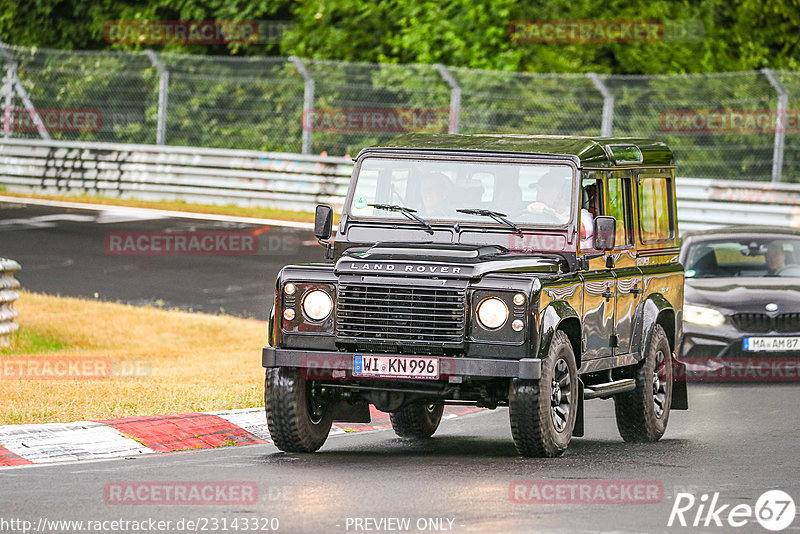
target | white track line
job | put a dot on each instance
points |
(157, 212)
(58, 442)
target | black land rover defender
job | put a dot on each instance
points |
(533, 272)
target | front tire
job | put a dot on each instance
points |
(417, 421)
(298, 421)
(642, 414)
(543, 411)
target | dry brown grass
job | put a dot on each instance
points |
(187, 362)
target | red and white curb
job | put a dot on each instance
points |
(132, 436)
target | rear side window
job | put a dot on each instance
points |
(656, 223)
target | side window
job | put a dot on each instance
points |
(655, 209)
(618, 202)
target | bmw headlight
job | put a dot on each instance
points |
(317, 305)
(702, 316)
(492, 313)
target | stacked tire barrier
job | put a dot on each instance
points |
(8, 295)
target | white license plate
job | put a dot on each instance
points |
(395, 367)
(771, 344)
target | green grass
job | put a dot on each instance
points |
(29, 341)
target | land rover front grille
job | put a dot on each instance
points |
(404, 316)
(762, 323)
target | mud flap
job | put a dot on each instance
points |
(345, 412)
(680, 397)
(578, 430)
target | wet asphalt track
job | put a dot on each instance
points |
(69, 252)
(738, 440)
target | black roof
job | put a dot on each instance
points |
(744, 229)
(589, 151)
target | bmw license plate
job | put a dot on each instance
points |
(378, 366)
(771, 344)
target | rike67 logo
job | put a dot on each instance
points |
(774, 510)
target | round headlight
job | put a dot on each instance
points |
(492, 313)
(317, 305)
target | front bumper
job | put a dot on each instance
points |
(724, 343)
(716, 354)
(526, 368)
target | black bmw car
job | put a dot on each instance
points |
(742, 304)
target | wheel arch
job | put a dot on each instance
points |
(559, 315)
(654, 310)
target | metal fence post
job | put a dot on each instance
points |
(8, 102)
(780, 124)
(455, 97)
(23, 94)
(308, 102)
(608, 104)
(163, 91)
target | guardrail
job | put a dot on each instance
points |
(299, 182)
(150, 172)
(8, 295)
(713, 203)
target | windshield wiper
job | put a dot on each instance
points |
(496, 215)
(408, 212)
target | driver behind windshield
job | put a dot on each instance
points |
(552, 197)
(776, 259)
(436, 191)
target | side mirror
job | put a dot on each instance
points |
(323, 222)
(605, 232)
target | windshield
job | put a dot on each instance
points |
(528, 194)
(767, 256)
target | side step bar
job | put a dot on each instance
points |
(609, 389)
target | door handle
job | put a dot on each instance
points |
(636, 291)
(607, 295)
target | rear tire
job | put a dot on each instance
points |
(297, 420)
(543, 411)
(642, 414)
(417, 421)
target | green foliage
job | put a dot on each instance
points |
(736, 34)
(256, 102)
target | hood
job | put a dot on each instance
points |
(443, 261)
(745, 295)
